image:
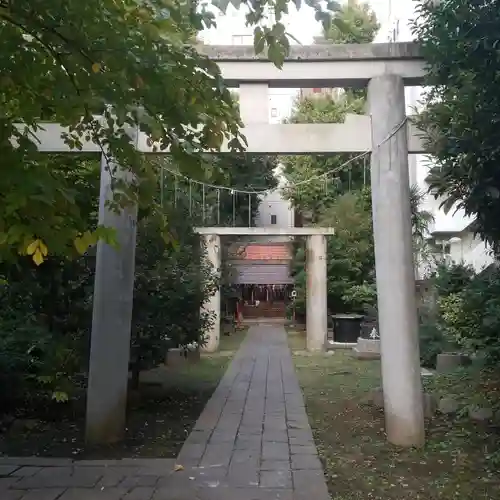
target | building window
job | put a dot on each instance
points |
(242, 39)
(274, 219)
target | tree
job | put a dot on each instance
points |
(312, 197)
(338, 196)
(354, 22)
(459, 41)
(172, 282)
(420, 222)
(102, 67)
(350, 265)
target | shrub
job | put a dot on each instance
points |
(431, 343)
(451, 278)
(469, 312)
(433, 338)
(476, 321)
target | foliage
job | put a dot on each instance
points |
(451, 278)
(436, 332)
(350, 251)
(472, 317)
(431, 340)
(43, 337)
(350, 265)
(171, 285)
(103, 68)
(355, 22)
(222, 207)
(420, 219)
(467, 316)
(338, 199)
(459, 41)
(313, 197)
(420, 222)
(359, 296)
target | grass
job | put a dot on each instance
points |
(160, 414)
(360, 464)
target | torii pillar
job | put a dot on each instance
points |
(212, 253)
(111, 318)
(316, 300)
(397, 309)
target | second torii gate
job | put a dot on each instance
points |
(316, 293)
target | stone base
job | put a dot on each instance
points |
(448, 362)
(367, 349)
(365, 355)
(193, 355)
(175, 357)
(179, 357)
(330, 345)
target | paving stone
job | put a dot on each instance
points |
(249, 457)
(11, 494)
(111, 478)
(303, 434)
(306, 462)
(7, 482)
(93, 494)
(242, 475)
(217, 454)
(275, 465)
(275, 425)
(43, 494)
(5, 470)
(276, 436)
(188, 451)
(247, 430)
(275, 451)
(303, 449)
(26, 471)
(166, 463)
(136, 481)
(197, 437)
(140, 493)
(276, 494)
(36, 461)
(253, 442)
(223, 437)
(61, 477)
(310, 482)
(297, 424)
(276, 479)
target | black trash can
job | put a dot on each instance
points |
(346, 327)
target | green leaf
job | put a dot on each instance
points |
(259, 41)
(60, 396)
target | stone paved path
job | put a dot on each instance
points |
(252, 442)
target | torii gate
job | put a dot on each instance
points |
(386, 69)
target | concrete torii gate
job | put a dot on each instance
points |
(316, 314)
(385, 69)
